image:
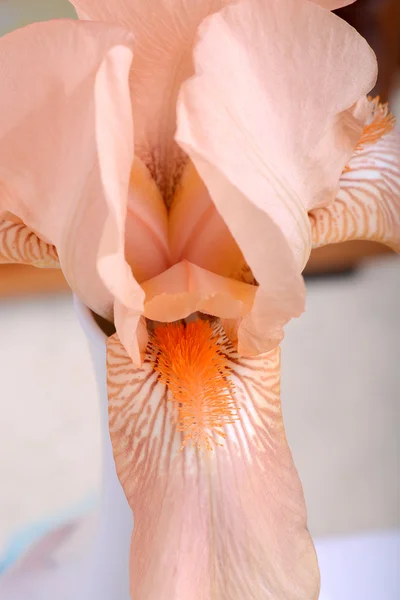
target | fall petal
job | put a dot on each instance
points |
(186, 289)
(66, 149)
(164, 34)
(368, 203)
(227, 523)
(18, 244)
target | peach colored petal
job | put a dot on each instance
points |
(132, 330)
(186, 289)
(66, 150)
(334, 4)
(8, 216)
(18, 244)
(226, 524)
(164, 32)
(269, 133)
(270, 77)
(368, 203)
(146, 238)
(199, 234)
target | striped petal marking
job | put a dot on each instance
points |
(19, 244)
(218, 506)
(367, 206)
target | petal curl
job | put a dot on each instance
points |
(164, 32)
(367, 206)
(186, 289)
(228, 523)
(66, 150)
(18, 244)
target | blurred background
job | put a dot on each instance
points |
(341, 376)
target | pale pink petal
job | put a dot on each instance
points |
(66, 150)
(186, 289)
(334, 4)
(227, 523)
(270, 122)
(198, 233)
(146, 237)
(164, 33)
(270, 76)
(18, 244)
(367, 206)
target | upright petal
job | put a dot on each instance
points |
(66, 150)
(164, 32)
(270, 120)
(272, 95)
(367, 206)
(227, 523)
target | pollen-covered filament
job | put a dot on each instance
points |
(190, 362)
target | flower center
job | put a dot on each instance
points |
(190, 361)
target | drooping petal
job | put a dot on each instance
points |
(164, 33)
(66, 150)
(367, 206)
(227, 523)
(18, 244)
(186, 289)
(198, 233)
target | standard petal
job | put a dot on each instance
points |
(271, 95)
(186, 289)
(269, 133)
(227, 523)
(164, 32)
(367, 206)
(18, 244)
(66, 149)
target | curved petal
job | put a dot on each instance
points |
(186, 289)
(269, 134)
(274, 106)
(146, 237)
(198, 233)
(164, 33)
(18, 244)
(66, 150)
(367, 206)
(229, 523)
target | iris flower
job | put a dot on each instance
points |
(179, 159)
